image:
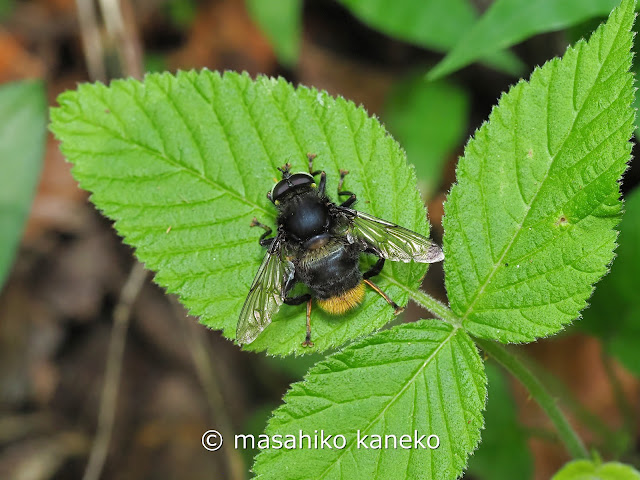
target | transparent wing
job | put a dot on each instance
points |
(265, 296)
(392, 241)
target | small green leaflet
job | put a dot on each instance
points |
(508, 22)
(530, 225)
(23, 118)
(425, 377)
(281, 22)
(588, 470)
(429, 119)
(183, 163)
(433, 24)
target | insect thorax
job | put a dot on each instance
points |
(304, 215)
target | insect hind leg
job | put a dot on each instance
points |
(377, 289)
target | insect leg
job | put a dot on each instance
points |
(343, 173)
(297, 300)
(349, 201)
(375, 270)
(264, 241)
(397, 308)
(307, 341)
(352, 196)
(323, 176)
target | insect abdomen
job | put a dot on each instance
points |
(330, 271)
(343, 303)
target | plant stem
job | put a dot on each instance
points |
(518, 369)
(439, 309)
(111, 384)
(429, 303)
(509, 361)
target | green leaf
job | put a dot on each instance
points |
(636, 69)
(530, 225)
(432, 24)
(6, 7)
(281, 22)
(425, 377)
(182, 164)
(22, 134)
(618, 292)
(429, 120)
(508, 22)
(181, 12)
(589, 470)
(503, 453)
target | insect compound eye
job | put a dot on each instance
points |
(291, 182)
(298, 179)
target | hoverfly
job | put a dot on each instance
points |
(318, 243)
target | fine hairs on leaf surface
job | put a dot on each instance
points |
(530, 224)
(182, 164)
(537, 192)
(423, 377)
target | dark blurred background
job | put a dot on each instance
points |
(178, 379)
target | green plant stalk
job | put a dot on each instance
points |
(609, 439)
(429, 303)
(509, 361)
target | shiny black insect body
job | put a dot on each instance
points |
(318, 243)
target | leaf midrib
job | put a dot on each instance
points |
(164, 157)
(392, 400)
(540, 184)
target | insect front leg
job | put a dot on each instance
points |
(323, 176)
(264, 241)
(341, 193)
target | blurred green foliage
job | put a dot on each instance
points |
(508, 22)
(181, 12)
(618, 292)
(281, 22)
(5, 8)
(430, 120)
(22, 134)
(503, 453)
(433, 24)
(595, 470)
